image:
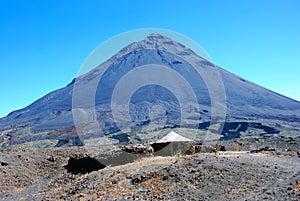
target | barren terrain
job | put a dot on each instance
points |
(42, 174)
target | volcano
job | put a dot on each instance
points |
(248, 109)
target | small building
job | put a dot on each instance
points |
(171, 144)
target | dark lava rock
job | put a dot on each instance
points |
(83, 165)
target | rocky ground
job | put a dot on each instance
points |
(266, 173)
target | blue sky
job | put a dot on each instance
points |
(44, 43)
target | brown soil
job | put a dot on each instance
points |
(41, 174)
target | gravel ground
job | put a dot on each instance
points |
(40, 174)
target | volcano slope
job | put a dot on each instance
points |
(251, 110)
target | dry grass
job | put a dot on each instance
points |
(17, 190)
(118, 186)
(156, 186)
(121, 187)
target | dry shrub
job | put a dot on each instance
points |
(236, 148)
(297, 185)
(216, 148)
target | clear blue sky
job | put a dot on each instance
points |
(43, 43)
